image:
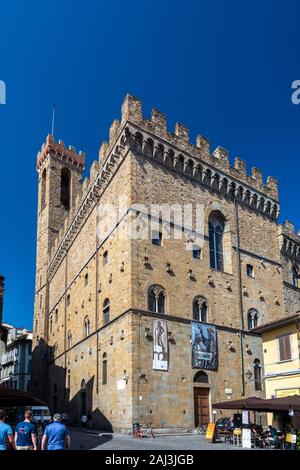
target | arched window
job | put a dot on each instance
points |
(68, 299)
(200, 309)
(201, 377)
(295, 276)
(216, 225)
(157, 299)
(104, 369)
(105, 258)
(43, 195)
(253, 317)
(87, 329)
(65, 188)
(69, 339)
(257, 375)
(106, 306)
(86, 279)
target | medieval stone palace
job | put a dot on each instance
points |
(142, 314)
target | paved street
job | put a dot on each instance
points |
(84, 440)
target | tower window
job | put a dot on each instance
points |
(295, 276)
(157, 299)
(86, 279)
(69, 339)
(104, 369)
(87, 328)
(68, 299)
(156, 238)
(250, 270)
(253, 316)
(106, 308)
(216, 248)
(105, 258)
(56, 314)
(200, 309)
(196, 252)
(257, 375)
(65, 188)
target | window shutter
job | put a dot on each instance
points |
(281, 349)
(288, 354)
(284, 348)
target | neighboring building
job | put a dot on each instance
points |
(15, 358)
(281, 344)
(146, 330)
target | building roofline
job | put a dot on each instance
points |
(277, 323)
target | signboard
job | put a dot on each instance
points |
(287, 392)
(292, 438)
(210, 432)
(245, 417)
(204, 346)
(160, 345)
(121, 384)
(246, 438)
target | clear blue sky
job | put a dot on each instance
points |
(222, 68)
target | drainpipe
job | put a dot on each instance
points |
(239, 270)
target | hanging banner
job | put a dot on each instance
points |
(204, 346)
(160, 345)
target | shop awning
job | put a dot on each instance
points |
(10, 397)
(260, 404)
(251, 403)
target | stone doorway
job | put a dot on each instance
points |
(201, 406)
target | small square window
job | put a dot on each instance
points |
(196, 253)
(156, 238)
(250, 270)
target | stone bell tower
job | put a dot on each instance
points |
(59, 182)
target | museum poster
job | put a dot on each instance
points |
(160, 345)
(204, 346)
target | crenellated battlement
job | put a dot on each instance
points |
(219, 158)
(289, 239)
(59, 149)
(174, 150)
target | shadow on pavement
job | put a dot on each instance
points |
(88, 440)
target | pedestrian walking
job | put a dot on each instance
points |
(83, 420)
(6, 433)
(25, 435)
(56, 435)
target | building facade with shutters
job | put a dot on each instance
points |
(281, 347)
(152, 275)
(15, 357)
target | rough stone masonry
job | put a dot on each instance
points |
(96, 298)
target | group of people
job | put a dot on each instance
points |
(55, 435)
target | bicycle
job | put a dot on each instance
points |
(144, 431)
(202, 429)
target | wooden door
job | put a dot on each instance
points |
(201, 403)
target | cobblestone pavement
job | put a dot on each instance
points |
(84, 440)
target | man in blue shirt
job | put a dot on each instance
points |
(56, 435)
(25, 435)
(6, 433)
